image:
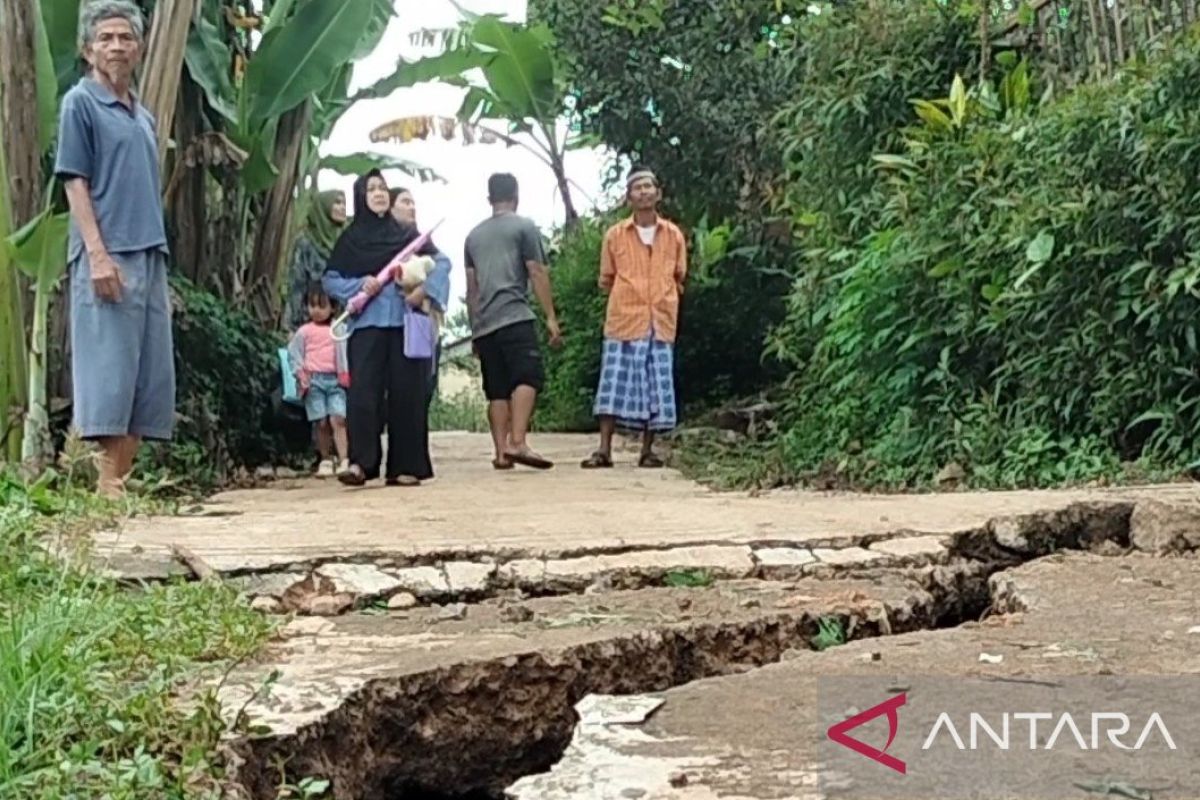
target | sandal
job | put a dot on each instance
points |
(352, 475)
(501, 464)
(597, 460)
(650, 461)
(528, 458)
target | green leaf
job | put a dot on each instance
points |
(933, 116)
(521, 73)
(39, 249)
(331, 103)
(47, 87)
(61, 21)
(448, 66)
(208, 62)
(894, 161)
(946, 267)
(296, 60)
(382, 12)
(1041, 248)
(358, 163)
(259, 172)
(990, 292)
(1025, 14)
(958, 100)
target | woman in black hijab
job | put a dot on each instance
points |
(386, 387)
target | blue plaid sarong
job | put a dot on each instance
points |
(637, 384)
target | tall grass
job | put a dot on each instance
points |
(91, 672)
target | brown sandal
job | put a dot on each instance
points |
(501, 464)
(528, 458)
(650, 461)
(597, 460)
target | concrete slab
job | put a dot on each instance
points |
(755, 736)
(471, 510)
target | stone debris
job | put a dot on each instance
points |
(847, 556)
(365, 581)
(267, 605)
(402, 601)
(270, 584)
(784, 562)
(467, 577)
(988, 658)
(328, 605)
(424, 582)
(605, 709)
(454, 611)
(516, 613)
(918, 549)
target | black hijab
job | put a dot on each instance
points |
(370, 240)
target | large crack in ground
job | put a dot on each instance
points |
(470, 729)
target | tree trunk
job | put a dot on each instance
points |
(18, 84)
(271, 245)
(564, 189)
(163, 66)
(186, 201)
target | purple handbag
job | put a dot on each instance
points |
(419, 335)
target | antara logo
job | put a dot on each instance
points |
(889, 707)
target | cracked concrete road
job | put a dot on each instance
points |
(470, 510)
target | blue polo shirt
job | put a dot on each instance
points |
(116, 150)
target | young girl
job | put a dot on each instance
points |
(320, 365)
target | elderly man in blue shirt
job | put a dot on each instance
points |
(123, 367)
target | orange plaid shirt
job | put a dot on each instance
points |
(644, 283)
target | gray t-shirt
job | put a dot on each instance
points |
(498, 249)
(116, 150)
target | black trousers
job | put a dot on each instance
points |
(387, 389)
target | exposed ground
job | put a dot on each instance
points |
(445, 635)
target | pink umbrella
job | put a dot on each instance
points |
(394, 268)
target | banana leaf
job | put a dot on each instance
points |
(297, 59)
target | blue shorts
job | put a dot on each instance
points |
(122, 355)
(325, 398)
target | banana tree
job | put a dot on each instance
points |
(39, 251)
(37, 65)
(521, 85)
(294, 84)
(12, 335)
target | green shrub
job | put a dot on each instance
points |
(228, 388)
(1027, 305)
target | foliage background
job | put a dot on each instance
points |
(992, 282)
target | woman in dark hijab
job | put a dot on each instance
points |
(386, 387)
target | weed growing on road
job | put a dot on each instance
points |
(688, 578)
(90, 672)
(830, 633)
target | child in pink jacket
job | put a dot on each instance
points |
(322, 370)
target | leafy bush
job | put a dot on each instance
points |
(229, 413)
(1027, 305)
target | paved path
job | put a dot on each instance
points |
(470, 510)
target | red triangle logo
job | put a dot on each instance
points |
(889, 707)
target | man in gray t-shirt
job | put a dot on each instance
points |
(122, 356)
(504, 257)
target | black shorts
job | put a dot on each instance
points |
(510, 357)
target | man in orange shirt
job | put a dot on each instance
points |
(643, 264)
